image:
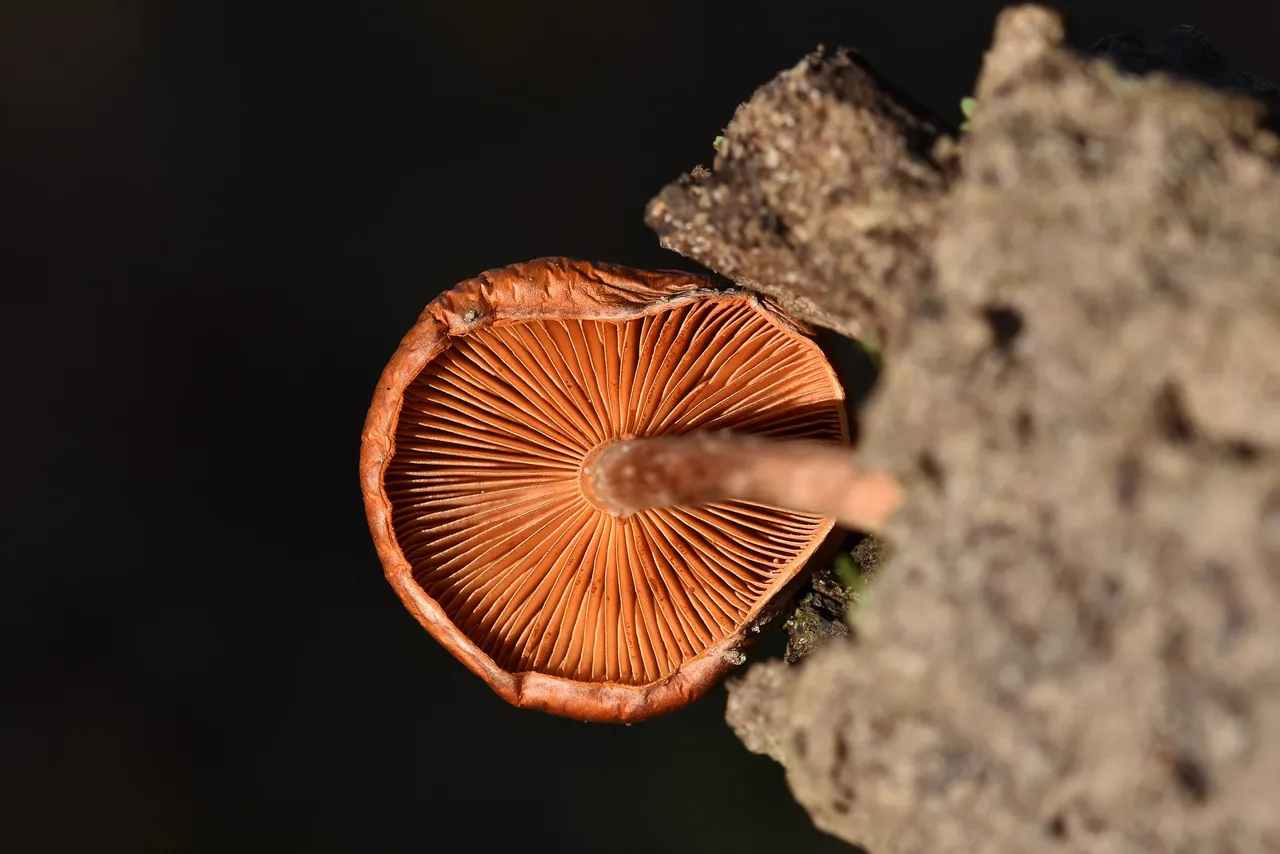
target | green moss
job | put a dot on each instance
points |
(967, 104)
(874, 348)
(848, 574)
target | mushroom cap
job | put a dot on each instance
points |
(471, 460)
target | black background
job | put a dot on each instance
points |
(223, 217)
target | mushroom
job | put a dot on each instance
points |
(587, 482)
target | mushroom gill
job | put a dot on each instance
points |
(487, 498)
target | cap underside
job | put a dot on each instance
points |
(488, 510)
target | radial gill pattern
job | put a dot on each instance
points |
(488, 511)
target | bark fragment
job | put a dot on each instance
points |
(823, 193)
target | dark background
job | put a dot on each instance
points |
(224, 216)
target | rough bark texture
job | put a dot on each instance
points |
(828, 604)
(1074, 644)
(824, 194)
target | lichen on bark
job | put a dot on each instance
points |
(1074, 643)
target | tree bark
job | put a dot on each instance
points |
(1074, 642)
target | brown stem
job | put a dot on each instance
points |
(811, 477)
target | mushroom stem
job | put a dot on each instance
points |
(667, 471)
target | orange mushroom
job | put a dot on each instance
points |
(576, 479)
